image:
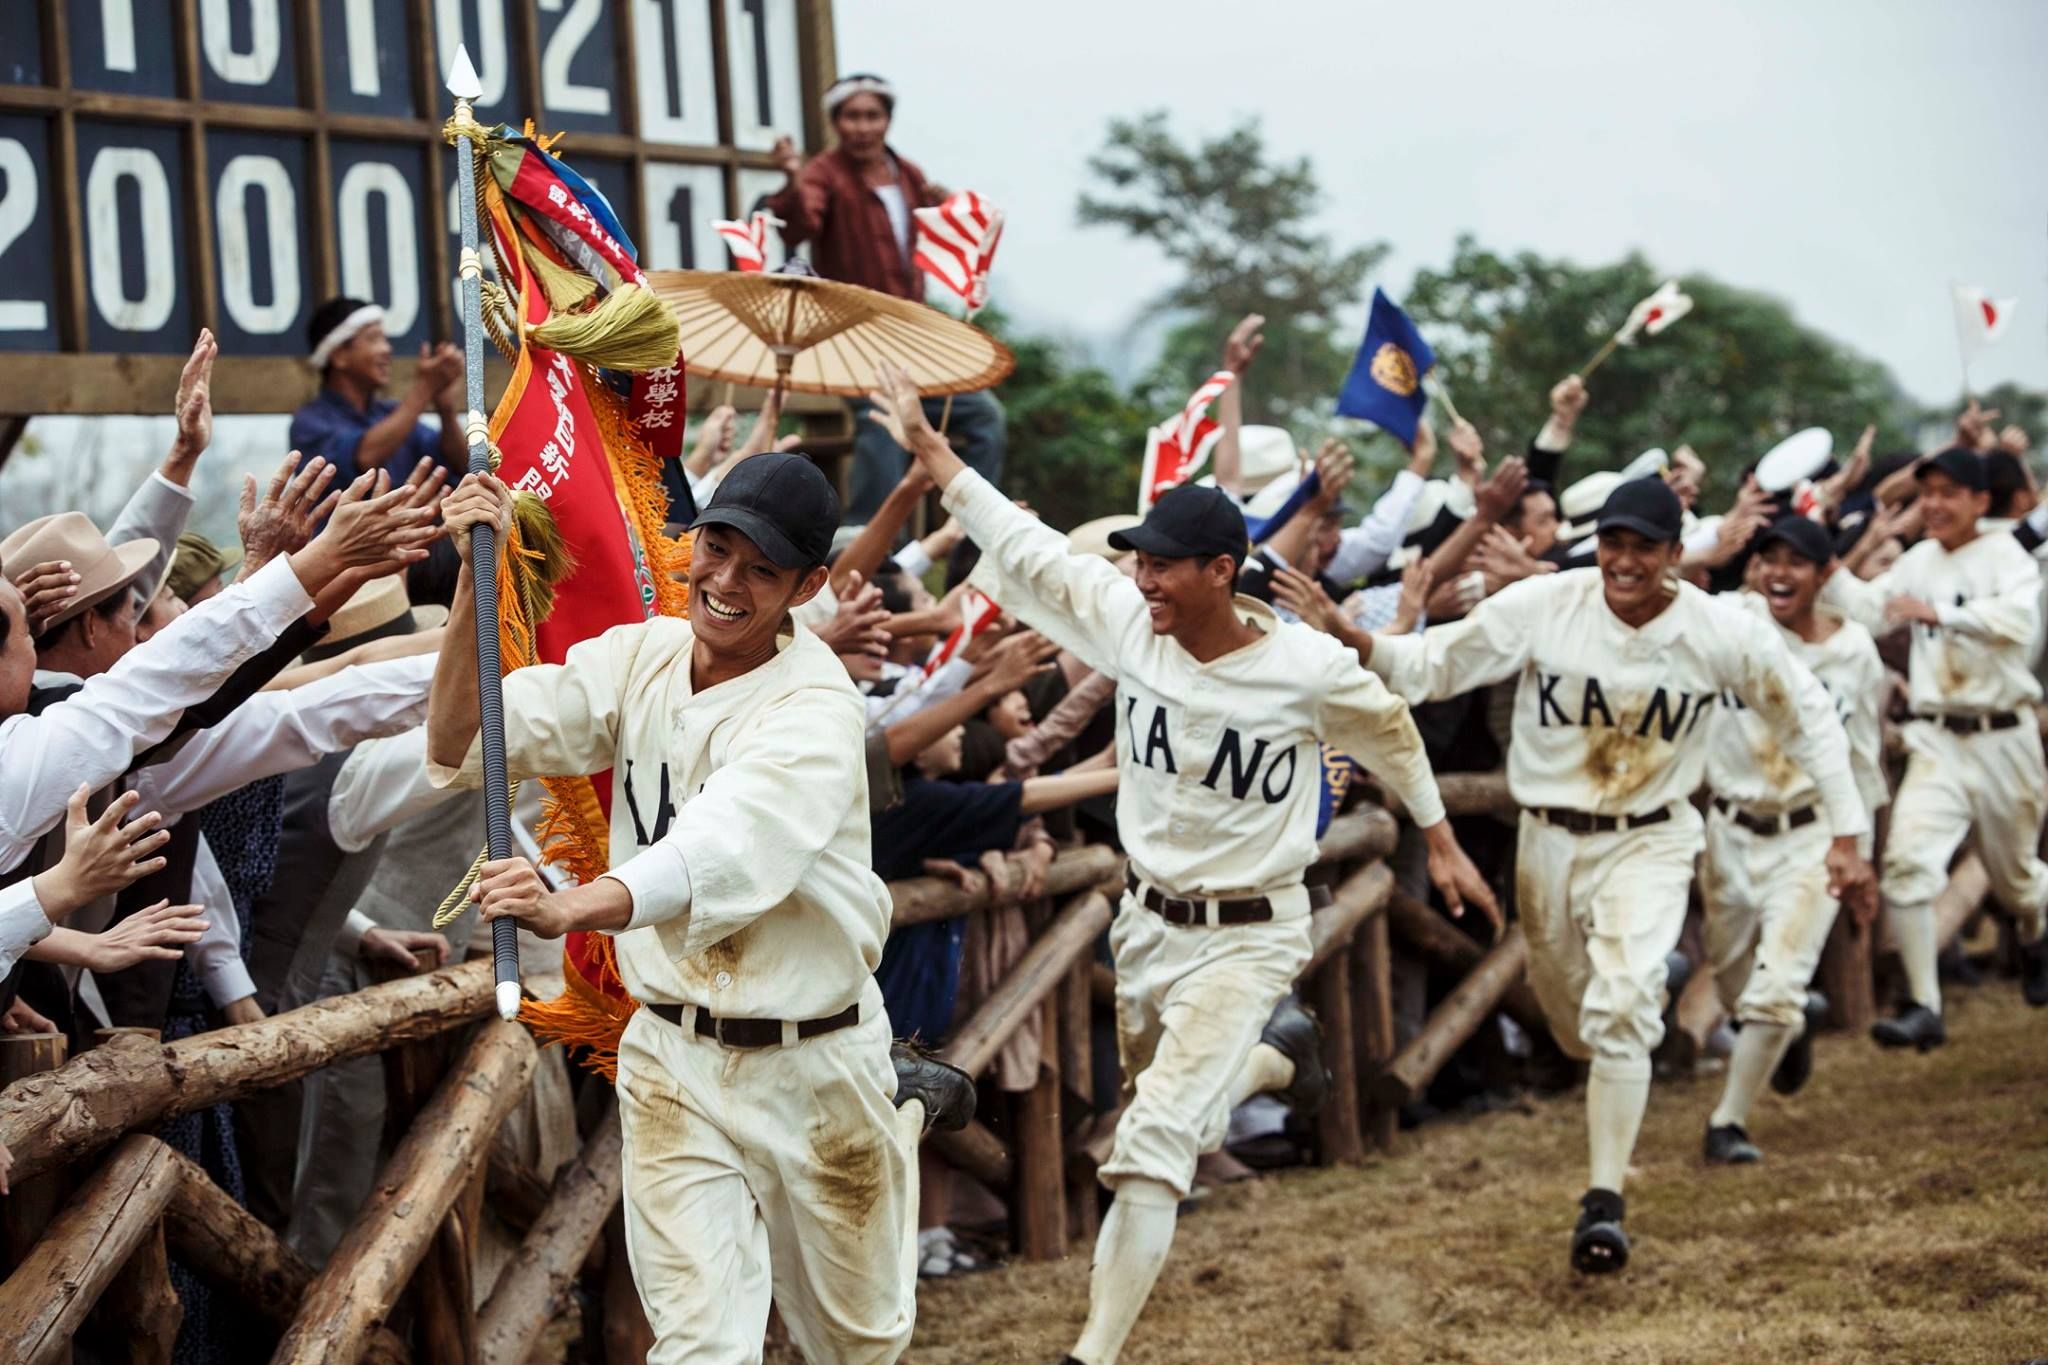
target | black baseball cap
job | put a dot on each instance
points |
(1646, 506)
(780, 501)
(1966, 467)
(1807, 538)
(1188, 522)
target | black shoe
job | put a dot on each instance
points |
(1915, 1026)
(1599, 1246)
(947, 1091)
(2034, 973)
(1728, 1145)
(1294, 1031)
(1797, 1064)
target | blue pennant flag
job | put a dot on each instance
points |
(1385, 383)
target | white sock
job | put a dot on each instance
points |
(1913, 927)
(1758, 1049)
(1617, 1092)
(1265, 1068)
(1136, 1235)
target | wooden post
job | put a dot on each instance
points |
(919, 899)
(102, 1036)
(140, 1312)
(90, 1101)
(26, 1211)
(43, 1302)
(1337, 1126)
(231, 1248)
(1453, 1021)
(1041, 1203)
(627, 1337)
(1457, 952)
(1845, 974)
(1077, 1073)
(977, 1151)
(1015, 1000)
(1372, 1022)
(534, 1285)
(424, 1178)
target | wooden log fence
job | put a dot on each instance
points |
(398, 1286)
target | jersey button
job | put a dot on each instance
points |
(722, 980)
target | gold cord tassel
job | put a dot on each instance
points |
(629, 329)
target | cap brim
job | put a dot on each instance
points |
(1769, 537)
(1152, 541)
(1642, 526)
(767, 537)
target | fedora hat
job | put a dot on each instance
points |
(1092, 537)
(378, 609)
(102, 569)
(1263, 455)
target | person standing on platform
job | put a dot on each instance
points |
(354, 428)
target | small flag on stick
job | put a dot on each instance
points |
(1980, 322)
(956, 245)
(1175, 449)
(748, 241)
(1647, 318)
(1385, 383)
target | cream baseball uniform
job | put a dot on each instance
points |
(1975, 667)
(739, 822)
(1610, 721)
(1217, 800)
(1764, 879)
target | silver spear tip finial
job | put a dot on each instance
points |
(462, 81)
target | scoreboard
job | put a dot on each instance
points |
(167, 165)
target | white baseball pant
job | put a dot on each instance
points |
(1602, 911)
(1993, 781)
(1768, 916)
(759, 1173)
(1191, 1001)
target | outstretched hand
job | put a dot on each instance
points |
(1306, 598)
(284, 519)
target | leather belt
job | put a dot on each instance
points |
(1584, 822)
(1971, 725)
(757, 1032)
(1200, 910)
(1767, 824)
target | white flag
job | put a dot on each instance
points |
(1656, 312)
(1980, 320)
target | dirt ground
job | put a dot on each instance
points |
(1900, 1214)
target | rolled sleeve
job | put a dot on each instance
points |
(658, 878)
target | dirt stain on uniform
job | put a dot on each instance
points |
(726, 954)
(1779, 771)
(1768, 698)
(1619, 762)
(658, 1112)
(849, 1171)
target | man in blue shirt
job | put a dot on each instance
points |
(353, 428)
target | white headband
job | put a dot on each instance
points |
(845, 90)
(344, 332)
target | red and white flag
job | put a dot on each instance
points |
(748, 241)
(977, 612)
(956, 244)
(1980, 320)
(1656, 312)
(1174, 450)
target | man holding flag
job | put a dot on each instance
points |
(765, 1153)
(857, 204)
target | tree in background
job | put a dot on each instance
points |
(1732, 380)
(1075, 438)
(1238, 227)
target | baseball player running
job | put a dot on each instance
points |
(1620, 667)
(762, 1155)
(1764, 879)
(1221, 705)
(1973, 750)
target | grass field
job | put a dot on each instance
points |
(1900, 1214)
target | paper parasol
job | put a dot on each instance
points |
(821, 336)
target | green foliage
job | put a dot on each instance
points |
(1731, 380)
(1075, 439)
(1236, 223)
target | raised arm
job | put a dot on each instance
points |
(1082, 601)
(868, 549)
(1239, 350)
(1490, 644)
(802, 204)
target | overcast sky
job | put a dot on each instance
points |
(1849, 156)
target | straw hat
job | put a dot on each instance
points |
(102, 569)
(1580, 504)
(379, 608)
(1092, 537)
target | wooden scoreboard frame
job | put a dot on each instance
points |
(77, 378)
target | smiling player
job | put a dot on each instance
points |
(1619, 667)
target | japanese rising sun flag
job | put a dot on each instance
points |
(1980, 320)
(748, 241)
(1174, 450)
(956, 244)
(1655, 313)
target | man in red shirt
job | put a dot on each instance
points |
(853, 204)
